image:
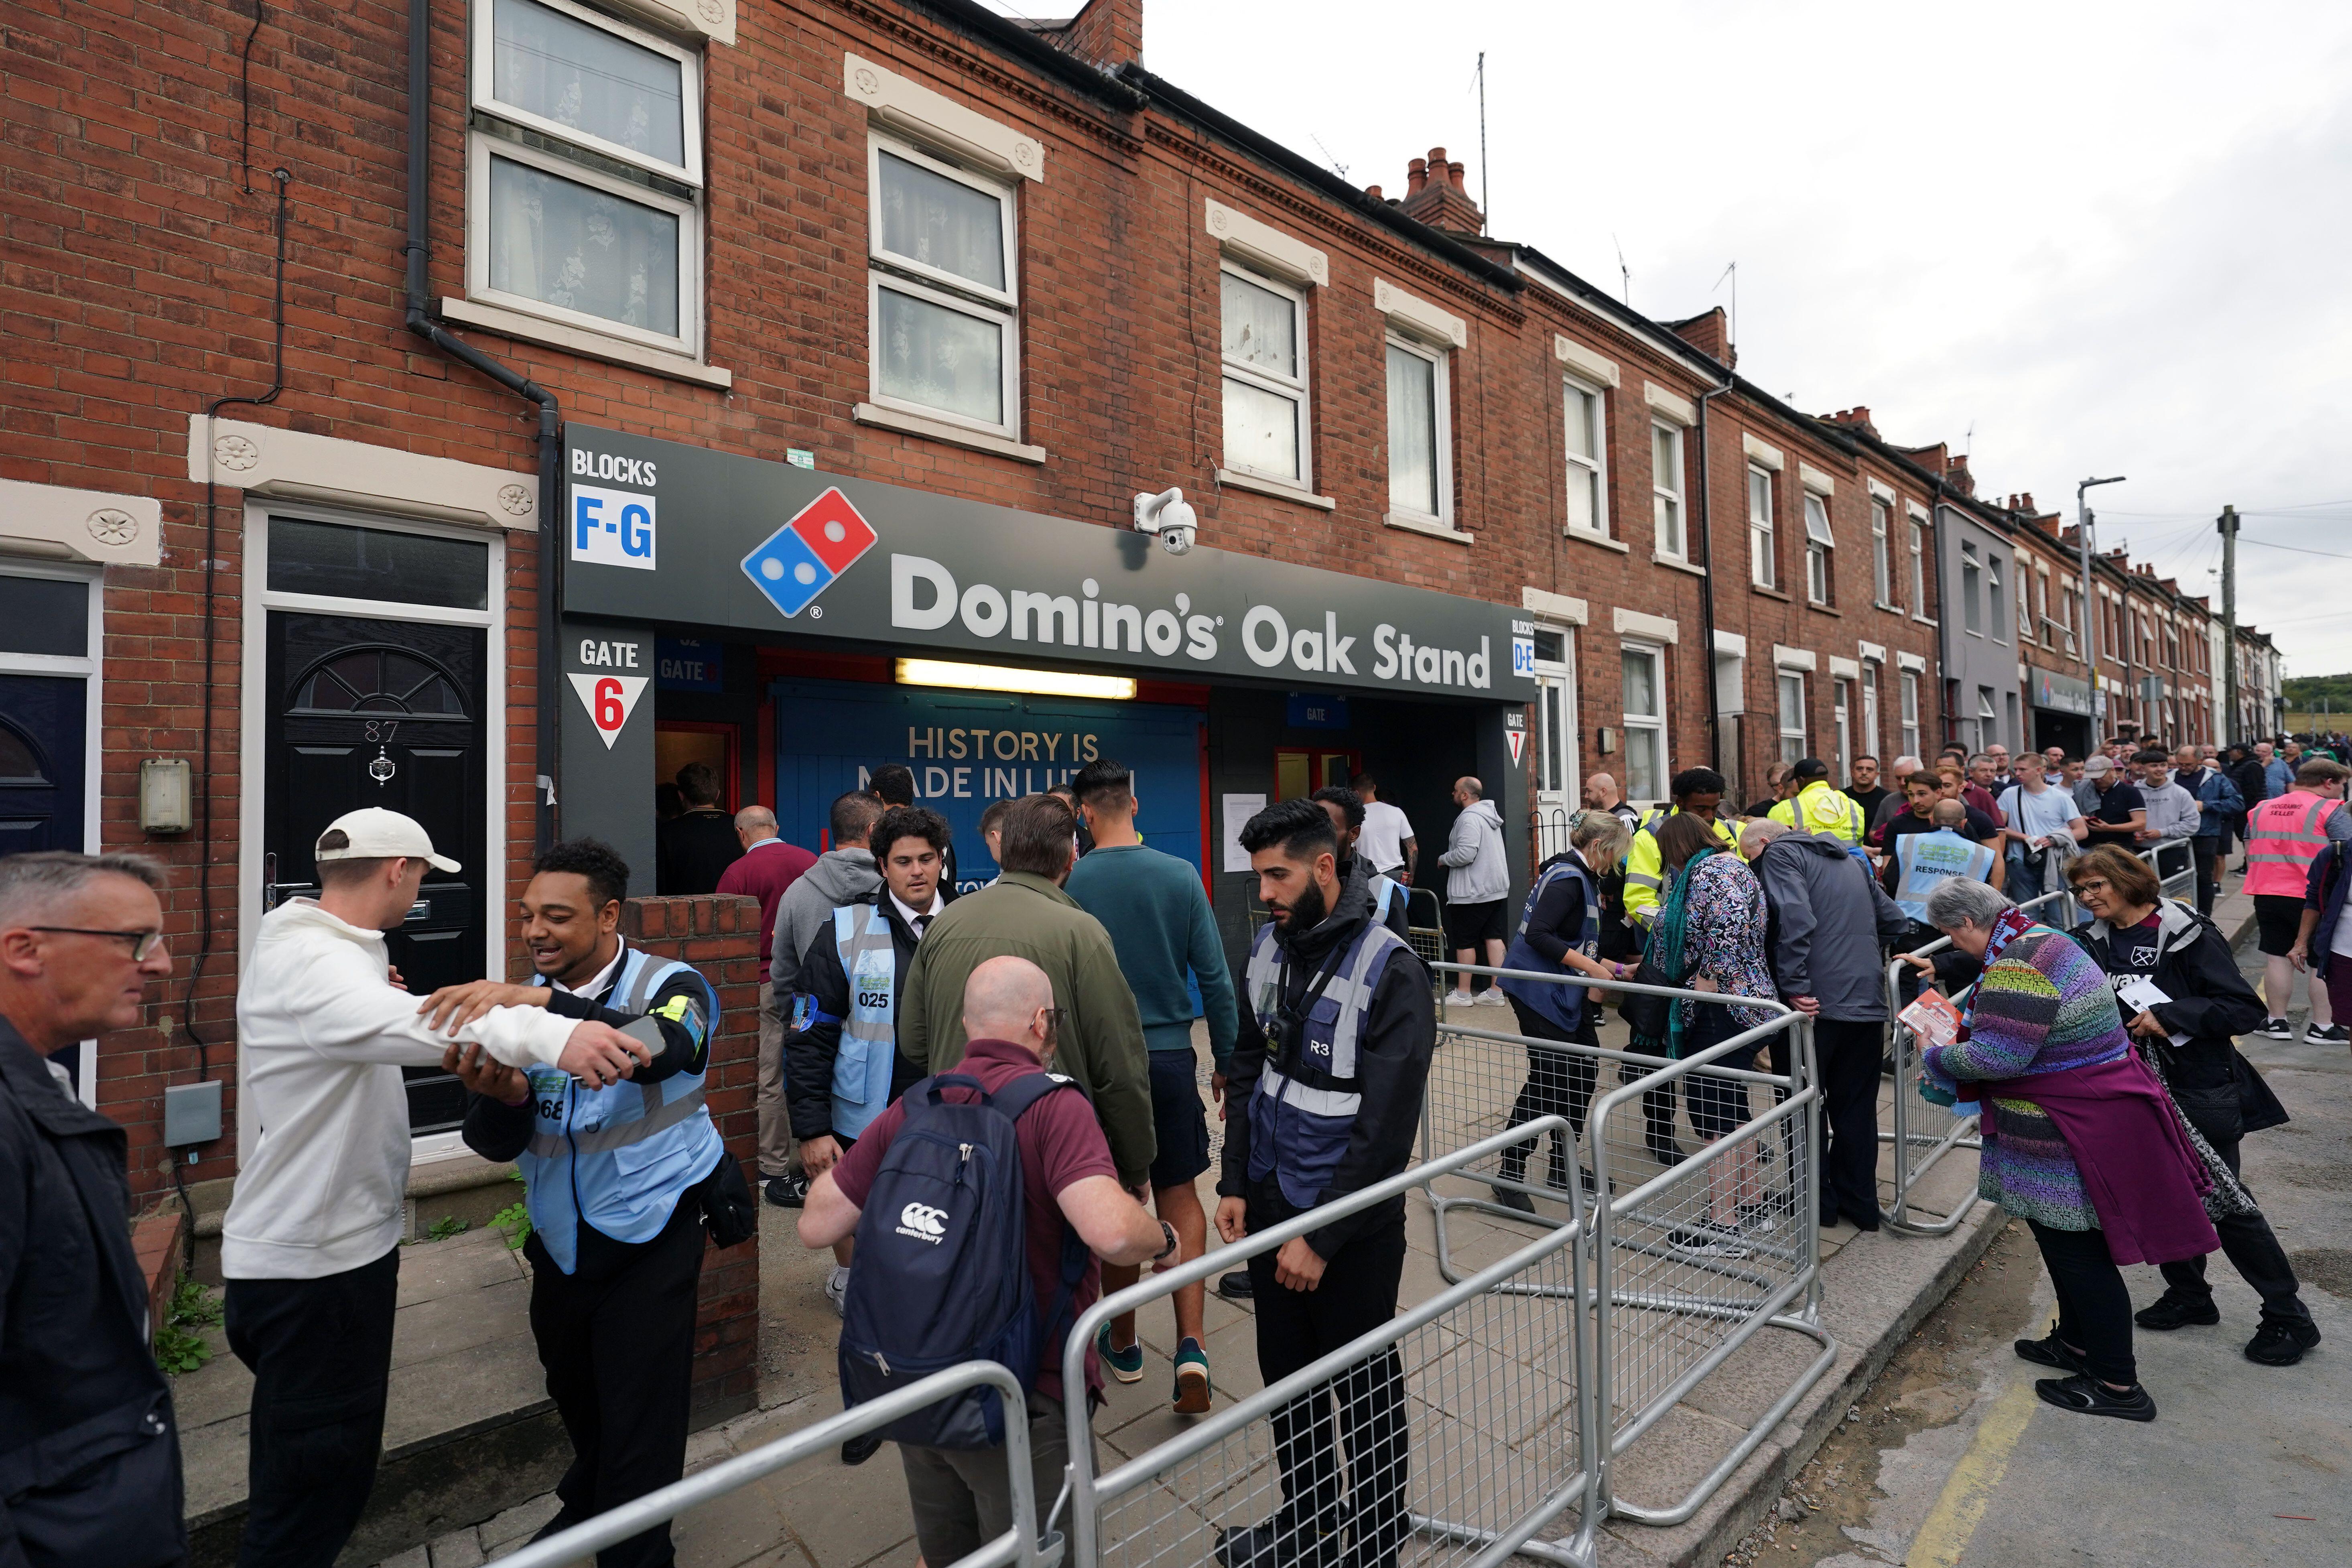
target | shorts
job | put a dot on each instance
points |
(1178, 1120)
(2278, 920)
(1468, 925)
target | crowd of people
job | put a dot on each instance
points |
(901, 1022)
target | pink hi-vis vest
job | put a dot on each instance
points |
(2283, 835)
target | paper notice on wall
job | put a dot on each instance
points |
(1239, 809)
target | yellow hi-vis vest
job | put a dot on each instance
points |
(1823, 809)
(1645, 868)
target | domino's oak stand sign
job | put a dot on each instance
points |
(707, 541)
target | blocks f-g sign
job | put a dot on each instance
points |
(611, 528)
(793, 566)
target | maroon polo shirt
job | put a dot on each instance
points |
(763, 872)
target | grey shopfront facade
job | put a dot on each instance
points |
(772, 571)
(1978, 600)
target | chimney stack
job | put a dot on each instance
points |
(1435, 195)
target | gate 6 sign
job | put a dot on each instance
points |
(610, 698)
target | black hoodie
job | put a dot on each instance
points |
(1400, 1031)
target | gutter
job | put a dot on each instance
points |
(421, 322)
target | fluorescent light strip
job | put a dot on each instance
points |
(999, 677)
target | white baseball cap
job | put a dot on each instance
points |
(375, 834)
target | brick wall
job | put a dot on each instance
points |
(721, 937)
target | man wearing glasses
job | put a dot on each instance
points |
(310, 1244)
(88, 1447)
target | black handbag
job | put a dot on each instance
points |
(2257, 1107)
(728, 1212)
(1646, 1015)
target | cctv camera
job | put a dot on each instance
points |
(1167, 515)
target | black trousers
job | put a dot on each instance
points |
(1295, 1328)
(1847, 1053)
(320, 1355)
(2252, 1249)
(617, 1337)
(1559, 1083)
(2094, 1309)
(2208, 853)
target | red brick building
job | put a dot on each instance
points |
(498, 494)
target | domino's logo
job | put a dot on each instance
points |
(793, 566)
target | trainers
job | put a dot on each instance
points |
(1706, 1240)
(1126, 1365)
(1490, 997)
(837, 1289)
(2334, 1035)
(2170, 1312)
(1192, 1396)
(2048, 1351)
(786, 1192)
(2276, 1029)
(2086, 1395)
(2281, 1344)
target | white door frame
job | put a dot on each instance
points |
(254, 697)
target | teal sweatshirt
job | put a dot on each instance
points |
(1161, 926)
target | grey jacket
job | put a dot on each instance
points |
(1478, 873)
(839, 877)
(1829, 918)
(2172, 812)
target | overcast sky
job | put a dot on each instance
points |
(2114, 239)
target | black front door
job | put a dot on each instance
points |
(391, 714)
(42, 755)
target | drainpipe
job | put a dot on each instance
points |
(420, 321)
(1707, 583)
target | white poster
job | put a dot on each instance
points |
(1239, 809)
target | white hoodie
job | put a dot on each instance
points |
(324, 1034)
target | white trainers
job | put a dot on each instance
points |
(1490, 997)
(836, 1290)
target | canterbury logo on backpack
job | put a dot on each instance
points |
(942, 1269)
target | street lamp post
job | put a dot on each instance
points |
(2090, 637)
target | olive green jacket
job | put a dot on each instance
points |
(1101, 1034)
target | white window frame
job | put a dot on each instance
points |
(1295, 391)
(481, 147)
(1881, 552)
(1907, 713)
(1918, 566)
(1821, 565)
(1842, 728)
(1558, 749)
(903, 274)
(1651, 723)
(1996, 615)
(1441, 397)
(1874, 680)
(1763, 544)
(1971, 586)
(483, 76)
(1595, 470)
(1988, 718)
(1666, 498)
(1792, 742)
(252, 756)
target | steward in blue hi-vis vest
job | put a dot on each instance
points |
(842, 1051)
(1923, 859)
(1389, 900)
(621, 1157)
(1564, 877)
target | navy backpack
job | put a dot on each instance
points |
(941, 1274)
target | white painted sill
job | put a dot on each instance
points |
(1415, 523)
(1234, 478)
(581, 341)
(907, 424)
(1601, 541)
(1678, 564)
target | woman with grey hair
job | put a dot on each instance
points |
(1559, 932)
(2080, 1141)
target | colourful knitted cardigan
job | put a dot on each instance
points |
(2043, 1006)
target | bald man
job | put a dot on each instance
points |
(960, 1498)
(768, 866)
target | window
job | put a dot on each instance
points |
(1763, 570)
(1817, 546)
(1645, 723)
(1419, 437)
(1792, 715)
(1555, 719)
(2041, 607)
(1971, 585)
(1666, 487)
(2008, 708)
(1842, 730)
(584, 173)
(1587, 497)
(1264, 348)
(1910, 714)
(1870, 713)
(1919, 568)
(1988, 718)
(337, 561)
(1881, 552)
(942, 290)
(1998, 613)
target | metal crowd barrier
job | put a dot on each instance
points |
(1922, 1133)
(1675, 1295)
(1463, 1419)
(1425, 919)
(1018, 1547)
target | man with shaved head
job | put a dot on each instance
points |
(961, 1497)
